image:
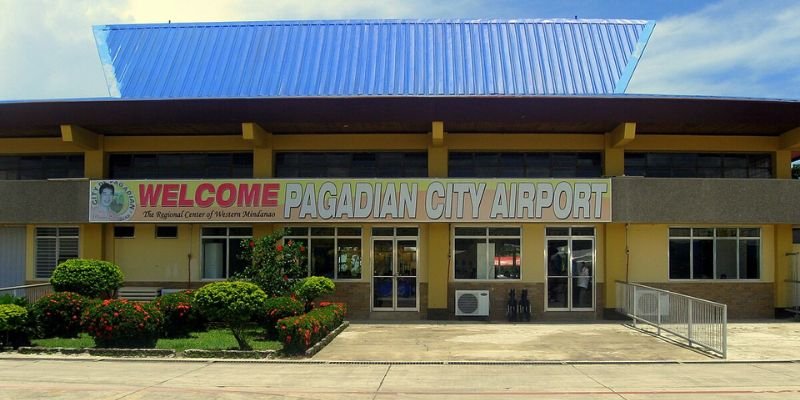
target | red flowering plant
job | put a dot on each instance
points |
(301, 332)
(59, 314)
(180, 318)
(124, 324)
(272, 264)
(278, 308)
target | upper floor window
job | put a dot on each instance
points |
(698, 165)
(525, 165)
(714, 253)
(181, 165)
(351, 165)
(41, 167)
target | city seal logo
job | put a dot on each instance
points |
(111, 201)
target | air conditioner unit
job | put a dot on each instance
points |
(651, 303)
(472, 303)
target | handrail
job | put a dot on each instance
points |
(23, 286)
(703, 323)
(29, 292)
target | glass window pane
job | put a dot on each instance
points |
(349, 259)
(749, 259)
(557, 258)
(679, 232)
(235, 263)
(726, 259)
(407, 231)
(750, 232)
(796, 236)
(296, 231)
(241, 231)
(468, 260)
(726, 232)
(323, 231)
(349, 232)
(583, 231)
(469, 231)
(322, 257)
(551, 231)
(703, 232)
(382, 231)
(506, 259)
(503, 231)
(214, 258)
(215, 231)
(702, 259)
(679, 262)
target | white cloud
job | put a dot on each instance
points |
(731, 48)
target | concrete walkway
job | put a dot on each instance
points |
(547, 342)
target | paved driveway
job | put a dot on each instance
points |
(548, 342)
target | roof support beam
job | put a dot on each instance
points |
(623, 134)
(790, 139)
(80, 137)
(437, 133)
(254, 132)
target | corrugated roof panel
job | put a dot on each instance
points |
(371, 58)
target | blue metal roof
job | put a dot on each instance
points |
(371, 58)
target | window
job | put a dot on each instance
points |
(486, 253)
(166, 232)
(525, 165)
(714, 253)
(180, 165)
(796, 236)
(221, 251)
(54, 245)
(124, 231)
(41, 167)
(351, 165)
(331, 252)
(698, 165)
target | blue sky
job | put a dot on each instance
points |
(740, 48)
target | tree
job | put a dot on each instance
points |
(272, 265)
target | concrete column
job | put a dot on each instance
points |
(615, 262)
(438, 270)
(263, 162)
(783, 164)
(613, 158)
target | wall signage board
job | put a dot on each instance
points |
(352, 200)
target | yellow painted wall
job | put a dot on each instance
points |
(145, 258)
(533, 253)
(30, 251)
(783, 264)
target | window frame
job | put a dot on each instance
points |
(155, 233)
(714, 239)
(528, 158)
(133, 232)
(227, 237)
(58, 238)
(308, 238)
(725, 159)
(487, 238)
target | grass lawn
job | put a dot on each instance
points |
(213, 339)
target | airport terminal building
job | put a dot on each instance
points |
(419, 161)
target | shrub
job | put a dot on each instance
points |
(180, 318)
(272, 265)
(234, 303)
(13, 325)
(299, 333)
(310, 288)
(92, 278)
(278, 308)
(124, 324)
(11, 299)
(59, 314)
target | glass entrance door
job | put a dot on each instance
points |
(394, 276)
(570, 274)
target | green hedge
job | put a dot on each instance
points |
(300, 333)
(308, 289)
(91, 278)
(59, 314)
(234, 303)
(123, 324)
(14, 327)
(180, 317)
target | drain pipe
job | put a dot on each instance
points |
(627, 255)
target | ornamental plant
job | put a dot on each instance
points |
(59, 314)
(299, 333)
(272, 265)
(234, 303)
(180, 317)
(91, 278)
(278, 308)
(123, 324)
(13, 325)
(313, 287)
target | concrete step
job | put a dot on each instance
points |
(138, 293)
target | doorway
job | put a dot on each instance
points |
(395, 255)
(570, 261)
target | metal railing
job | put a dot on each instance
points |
(703, 323)
(30, 292)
